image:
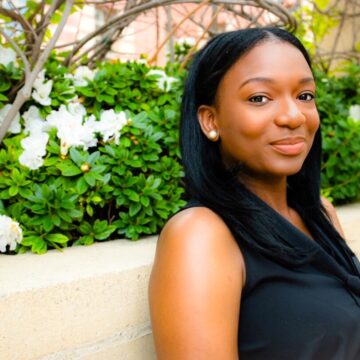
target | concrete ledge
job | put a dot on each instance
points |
(84, 303)
(89, 303)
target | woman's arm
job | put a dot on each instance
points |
(195, 289)
(329, 207)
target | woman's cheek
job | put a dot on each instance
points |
(313, 120)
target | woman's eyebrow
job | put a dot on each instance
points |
(307, 80)
(256, 79)
(269, 80)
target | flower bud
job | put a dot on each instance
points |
(85, 167)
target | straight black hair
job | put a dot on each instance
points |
(208, 181)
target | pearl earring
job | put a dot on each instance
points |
(213, 135)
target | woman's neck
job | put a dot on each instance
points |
(272, 191)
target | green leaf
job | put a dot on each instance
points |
(76, 157)
(145, 201)
(3, 98)
(81, 185)
(85, 91)
(30, 240)
(156, 183)
(5, 86)
(25, 192)
(13, 190)
(64, 215)
(55, 219)
(39, 246)
(136, 163)
(93, 157)
(47, 223)
(85, 228)
(69, 169)
(134, 209)
(100, 226)
(132, 195)
(106, 98)
(90, 178)
(96, 199)
(58, 238)
(106, 178)
(74, 213)
(16, 209)
(106, 233)
(86, 240)
(89, 210)
(322, 4)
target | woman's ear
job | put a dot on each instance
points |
(207, 120)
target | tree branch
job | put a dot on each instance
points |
(269, 5)
(171, 33)
(41, 29)
(337, 37)
(24, 93)
(18, 51)
(192, 50)
(16, 17)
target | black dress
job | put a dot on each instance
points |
(307, 312)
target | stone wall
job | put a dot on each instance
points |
(85, 303)
(89, 303)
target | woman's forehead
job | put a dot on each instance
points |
(270, 61)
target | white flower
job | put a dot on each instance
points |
(33, 113)
(70, 129)
(34, 122)
(34, 149)
(82, 75)
(186, 41)
(163, 81)
(141, 61)
(7, 55)
(10, 233)
(69, 76)
(15, 127)
(42, 91)
(54, 119)
(91, 123)
(30, 160)
(354, 112)
(71, 88)
(76, 109)
(40, 79)
(156, 72)
(110, 125)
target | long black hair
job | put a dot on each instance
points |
(217, 187)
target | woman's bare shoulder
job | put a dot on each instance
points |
(195, 233)
(331, 211)
(195, 288)
(196, 221)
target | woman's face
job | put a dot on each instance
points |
(265, 113)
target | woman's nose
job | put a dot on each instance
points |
(289, 114)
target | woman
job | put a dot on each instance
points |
(256, 266)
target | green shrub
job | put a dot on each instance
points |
(128, 182)
(118, 188)
(340, 134)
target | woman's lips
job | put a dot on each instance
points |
(289, 146)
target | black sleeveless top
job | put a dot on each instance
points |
(307, 312)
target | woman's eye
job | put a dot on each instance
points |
(259, 99)
(307, 97)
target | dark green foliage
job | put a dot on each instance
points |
(341, 134)
(111, 191)
(130, 189)
(9, 76)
